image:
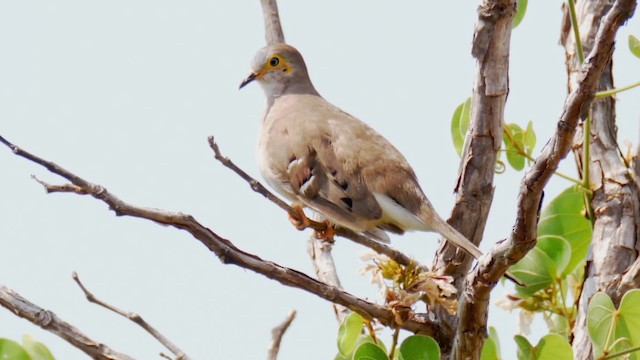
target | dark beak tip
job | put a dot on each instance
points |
(247, 80)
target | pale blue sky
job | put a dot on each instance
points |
(125, 93)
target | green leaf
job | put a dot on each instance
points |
(607, 326)
(369, 351)
(534, 270)
(564, 217)
(489, 350)
(525, 348)
(558, 250)
(419, 347)
(349, 333)
(11, 350)
(550, 347)
(600, 321)
(529, 138)
(460, 125)
(514, 145)
(630, 315)
(522, 9)
(37, 350)
(493, 335)
(634, 45)
(553, 347)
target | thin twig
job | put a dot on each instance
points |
(49, 321)
(230, 254)
(276, 335)
(256, 186)
(136, 318)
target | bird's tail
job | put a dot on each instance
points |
(454, 236)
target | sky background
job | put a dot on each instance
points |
(125, 93)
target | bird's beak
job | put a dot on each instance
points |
(248, 79)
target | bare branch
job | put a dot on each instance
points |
(523, 235)
(320, 252)
(272, 27)
(180, 355)
(49, 321)
(230, 254)
(475, 188)
(256, 186)
(277, 333)
(59, 188)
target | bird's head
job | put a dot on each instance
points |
(280, 69)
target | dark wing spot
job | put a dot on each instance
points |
(333, 172)
(347, 202)
(395, 200)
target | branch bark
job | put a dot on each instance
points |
(612, 263)
(277, 333)
(273, 28)
(475, 189)
(320, 252)
(136, 318)
(49, 321)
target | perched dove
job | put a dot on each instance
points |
(318, 156)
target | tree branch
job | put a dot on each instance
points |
(277, 333)
(230, 254)
(273, 29)
(49, 321)
(474, 188)
(180, 355)
(320, 252)
(523, 235)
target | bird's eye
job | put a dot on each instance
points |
(274, 61)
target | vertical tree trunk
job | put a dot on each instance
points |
(615, 203)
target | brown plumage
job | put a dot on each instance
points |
(313, 153)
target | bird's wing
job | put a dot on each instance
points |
(322, 181)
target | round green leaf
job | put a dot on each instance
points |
(634, 45)
(558, 250)
(493, 335)
(600, 321)
(10, 349)
(522, 9)
(489, 350)
(37, 350)
(460, 125)
(534, 270)
(553, 347)
(630, 315)
(349, 333)
(419, 347)
(525, 349)
(369, 351)
(564, 217)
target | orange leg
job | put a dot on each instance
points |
(301, 222)
(299, 219)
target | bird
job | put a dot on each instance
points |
(320, 157)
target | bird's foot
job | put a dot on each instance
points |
(327, 233)
(299, 219)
